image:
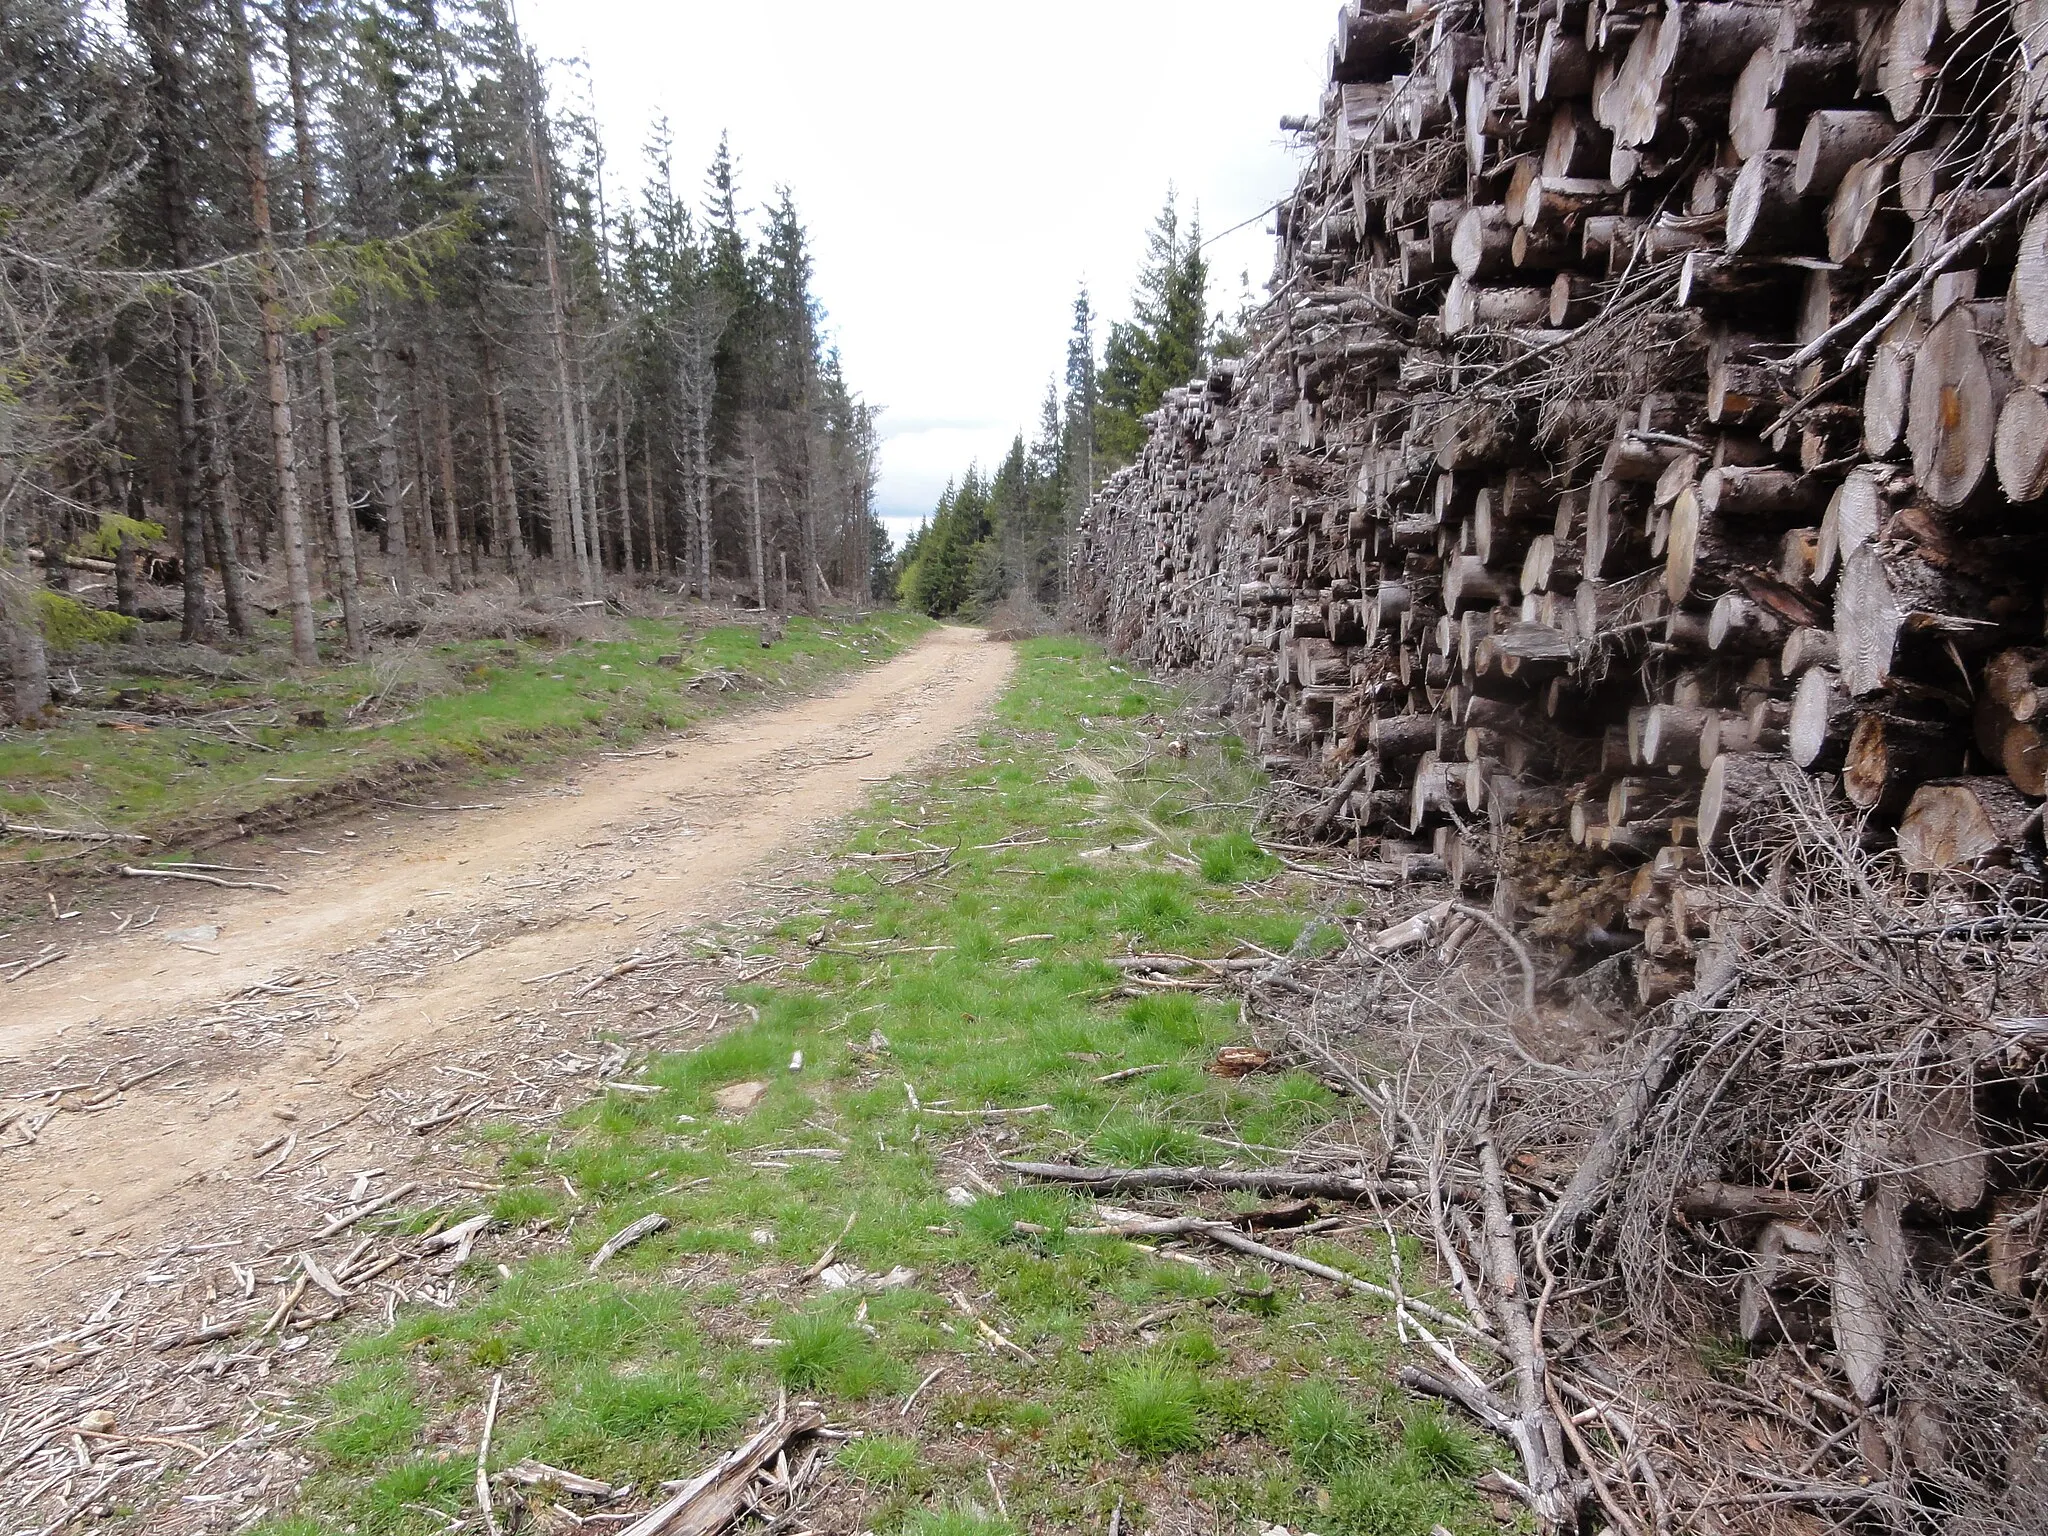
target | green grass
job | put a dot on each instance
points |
(1326, 1434)
(462, 712)
(1155, 1408)
(1262, 1396)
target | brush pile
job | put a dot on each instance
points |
(1630, 519)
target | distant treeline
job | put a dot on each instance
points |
(999, 533)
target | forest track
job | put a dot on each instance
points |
(397, 954)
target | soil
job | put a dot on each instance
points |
(414, 956)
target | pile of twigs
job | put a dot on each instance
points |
(1779, 1252)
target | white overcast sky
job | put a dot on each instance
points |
(963, 168)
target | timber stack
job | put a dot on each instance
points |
(1651, 407)
(1652, 391)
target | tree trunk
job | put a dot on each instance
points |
(21, 629)
(284, 450)
(558, 336)
(657, 545)
(390, 495)
(340, 509)
(517, 559)
(224, 505)
(191, 513)
(1832, 143)
(423, 466)
(444, 455)
(170, 106)
(592, 524)
(1891, 756)
(760, 563)
(626, 567)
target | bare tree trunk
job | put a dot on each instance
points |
(113, 468)
(224, 506)
(284, 451)
(807, 519)
(657, 546)
(760, 564)
(592, 529)
(169, 103)
(444, 453)
(700, 471)
(22, 631)
(306, 445)
(559, 343)
(191, 528)
(423, 459)
(124, 575)
(625, 492)
(508, 487)
(349, 574)
(389, 494)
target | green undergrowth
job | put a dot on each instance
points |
(164, 757)
(1089, 821)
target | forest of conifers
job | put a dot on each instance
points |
(308, 301)
(995, 534)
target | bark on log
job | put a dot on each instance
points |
(1739, 791)
(1890, 756)
(1865, 226)
(1887, 389)
(1766, 216)
(1833, 141)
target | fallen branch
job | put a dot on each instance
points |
(987, 1114)
(369, 1208)
(831, 1252)
(65, 834)
(1174, 965)
(626, 1237)
(1277, 1182)
(1237, 1242)
(1915, 279)
(483, 1458)
(26, 967)
(180, 874)
(1335, 803)
(714, 1499)
(993, 1335)
(529, 1473)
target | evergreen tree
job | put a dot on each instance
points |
(1163, 344)
(1083, 389)
(344, 280)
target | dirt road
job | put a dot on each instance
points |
(150, 1064)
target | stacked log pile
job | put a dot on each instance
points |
(1651, 391)
(1652, 403)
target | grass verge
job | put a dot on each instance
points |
(173, 758)
(1193, 1392)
